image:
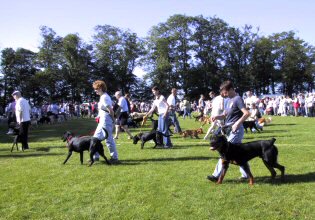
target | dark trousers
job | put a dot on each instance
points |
(24, 133)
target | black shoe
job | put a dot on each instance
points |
(114, 161)
(212, 178)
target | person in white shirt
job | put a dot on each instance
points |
(217, 109)
(23, 117)
(171, 100)
(250, 99)
(105, 120)
(163, 109)
(122, 115)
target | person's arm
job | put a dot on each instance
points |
(240, 121)
(219, 117)
(151, 110)
(167, 107)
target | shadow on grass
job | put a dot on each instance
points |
(24, 155)
(168, 159)
(288, 179)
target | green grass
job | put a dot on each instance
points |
(155, 183)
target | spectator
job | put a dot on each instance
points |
(23, 117)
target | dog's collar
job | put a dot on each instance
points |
(69, 138)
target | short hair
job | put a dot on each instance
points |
(155, 88)
(118, 93)
(226, 85)
(174, 89)
(100, 84)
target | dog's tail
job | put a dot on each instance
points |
(273, 140)
(106, 133)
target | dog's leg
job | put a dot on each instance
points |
(101, 152)
(142, 144)
(270, 168)
(13, 146)
(225, 167)
(69, 155)
(281, 168)
(249, 173)
(92, 152)
(81, 157)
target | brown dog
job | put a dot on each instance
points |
(191, 133)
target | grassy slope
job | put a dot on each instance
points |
(155, 183)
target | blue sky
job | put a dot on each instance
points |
(20, 19)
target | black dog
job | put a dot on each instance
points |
(156, 136)
(250, 125)
(44, 120)
(17, 137)
(240, 154)
(80, 144)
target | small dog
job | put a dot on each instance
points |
(81, 144)
(264, 121)
(198, 117)
(191, 133)
(251, 125)
(147, 136)
(240, 154)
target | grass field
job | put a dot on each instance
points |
(155, 183)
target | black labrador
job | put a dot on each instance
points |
(240, 154)
(81, 144)
(156, 136)
(251, 125)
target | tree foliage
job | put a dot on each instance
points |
(192, 53)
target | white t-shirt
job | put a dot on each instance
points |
(217, 106)
(105, 101)
(122, 102)
(250, 100)
(22, 106)
(159, 103)
(171, 100)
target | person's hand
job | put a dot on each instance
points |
(213, 118)
(97, 119)
(235, 127)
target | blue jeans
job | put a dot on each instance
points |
(163, 128)
(234, 138)
(186, 113)
(173, 117)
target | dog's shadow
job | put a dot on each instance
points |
(288, 179)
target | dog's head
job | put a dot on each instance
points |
(217, 142)
(66, 136)
(136, 138)
(199, 131)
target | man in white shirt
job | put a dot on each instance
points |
(23, 117)
(122, 116)
(171, 101)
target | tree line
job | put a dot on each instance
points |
(192, 53)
